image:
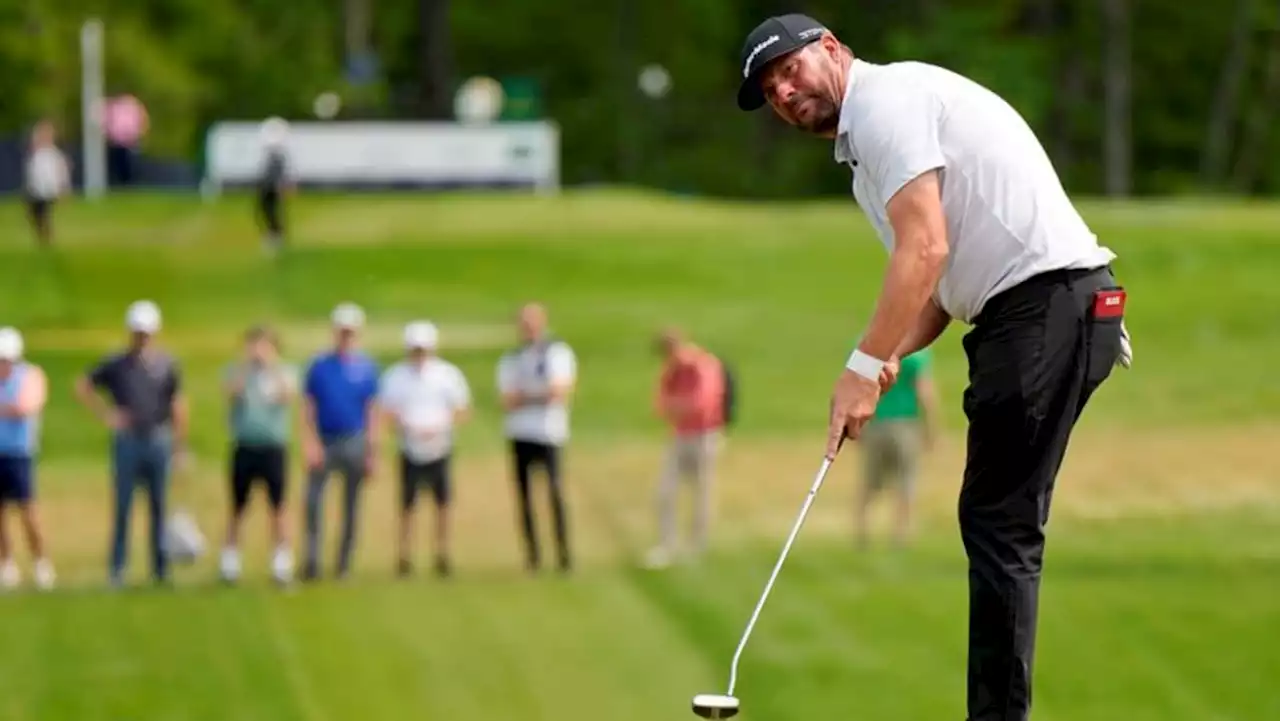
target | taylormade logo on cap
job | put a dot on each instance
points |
(746, 67)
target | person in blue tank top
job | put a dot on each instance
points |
(23, 391)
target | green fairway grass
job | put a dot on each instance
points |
(1163, 568)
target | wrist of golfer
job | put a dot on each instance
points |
(865, 364)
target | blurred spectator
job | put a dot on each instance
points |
(904, 425)
(690, 399)
(24, 390)
(47, 178)
(261, 389)
(274, 183)
(125, 123)
(536, 381)
(147, 415)
(339, 401)
(424, 396)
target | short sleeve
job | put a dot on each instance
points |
(175, 377)
(387, 388)
(562, 366)
(460, 392)
(289, 375)
(101, 374)
(310, 382)
(371, 385)
(899, 139)
(912, 367)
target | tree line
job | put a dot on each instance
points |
(1131, 97)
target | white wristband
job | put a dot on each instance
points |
(864, 365)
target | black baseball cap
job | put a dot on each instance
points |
(770, 40)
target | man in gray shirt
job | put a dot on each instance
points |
(147, 415)
(260, 390)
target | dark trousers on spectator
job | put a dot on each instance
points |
(120, 163)
(137, 458)
(527, 455)
(345, 456)
(1036, 354)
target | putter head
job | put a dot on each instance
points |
(714, 705)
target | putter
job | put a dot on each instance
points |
(718, 706)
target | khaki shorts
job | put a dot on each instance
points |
(891, 454)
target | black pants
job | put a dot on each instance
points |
(527, 455)
(1036, 355)
(434, 475)
(257, 463)
(40, 211)
(270, 213)
(120, 164)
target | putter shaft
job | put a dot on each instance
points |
(786, 548)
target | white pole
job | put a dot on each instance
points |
(95, 152)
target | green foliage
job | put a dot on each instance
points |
(195, 62)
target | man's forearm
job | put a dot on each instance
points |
(932, 321)
(180, 421)
(308, 413)
(909, 281)
(91, 400)
(374, 435)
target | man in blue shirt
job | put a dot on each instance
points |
(340, 391)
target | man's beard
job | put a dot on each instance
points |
(825, 118)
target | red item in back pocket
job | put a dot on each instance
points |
(1109, 303)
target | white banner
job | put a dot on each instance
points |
(413, 153)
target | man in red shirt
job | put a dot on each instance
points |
(690, 400)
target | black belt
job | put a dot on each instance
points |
(1037, 282)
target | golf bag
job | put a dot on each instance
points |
(729, 400)
(183, 540)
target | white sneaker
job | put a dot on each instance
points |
(45, 576)
(10, 576)
(658, 558)
(282, 565)
(229, 565)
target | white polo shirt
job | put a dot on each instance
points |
(47, 175)
(424, 399)
(533, 368)
(1008, 216)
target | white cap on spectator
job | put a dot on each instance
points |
(274, 131)
(143, 317)
(421, 334)
(348, 315)
(10, 344)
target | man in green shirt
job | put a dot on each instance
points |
(905, 423)
(260, 390)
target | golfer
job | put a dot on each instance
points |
(424, 396)
(978, 229)
(24, 391)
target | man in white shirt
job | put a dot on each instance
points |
(980, 229)
(424, 397)
(48, 178)
(536, 381)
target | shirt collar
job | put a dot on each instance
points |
(843, 152)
